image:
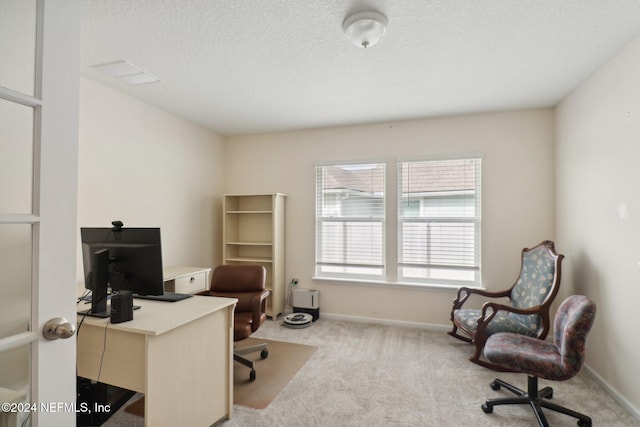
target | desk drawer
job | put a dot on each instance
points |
(188, 284)
(186, 280)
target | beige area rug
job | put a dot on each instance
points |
(272, 374)
(136, 408)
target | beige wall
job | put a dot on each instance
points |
(136, 162)
(598, 213)
(148, 168)
(586, 186)
(518, 195)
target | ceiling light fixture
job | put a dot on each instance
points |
(365, 29)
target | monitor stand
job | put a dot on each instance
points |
(90, 313)
(99, 284)
(101, 314)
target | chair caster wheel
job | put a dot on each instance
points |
(495, 385)
(252, 375)
(487, 409)
(264, 353)
(582, 423)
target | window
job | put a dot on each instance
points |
(439, 221)
(350, 221)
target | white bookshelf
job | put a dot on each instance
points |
(253, 233)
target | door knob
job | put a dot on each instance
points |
(58, 327)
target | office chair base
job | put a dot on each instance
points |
(237, 356)
(537, 399)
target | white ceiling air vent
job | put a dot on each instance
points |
(126, 73)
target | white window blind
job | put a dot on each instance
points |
(350, 221)
(439, 221)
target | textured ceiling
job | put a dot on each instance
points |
(248, 66)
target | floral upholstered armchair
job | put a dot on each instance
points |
(527, 312)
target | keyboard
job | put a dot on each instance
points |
(167, 296)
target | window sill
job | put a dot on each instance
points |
(394, 285)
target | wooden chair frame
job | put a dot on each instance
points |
(490, 309)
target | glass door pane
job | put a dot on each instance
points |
(15, 380)
(15, 281)
(19, 38)
(16, 152)
(18, 45)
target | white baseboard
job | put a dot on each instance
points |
(613, 392)
(400, 323)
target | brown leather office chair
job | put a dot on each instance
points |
(246, 283)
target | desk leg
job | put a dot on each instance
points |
(230, 312)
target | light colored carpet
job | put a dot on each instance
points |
(377, 375)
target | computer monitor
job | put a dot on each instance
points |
(123, 259)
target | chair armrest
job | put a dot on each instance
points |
(258, 306)
(464, 293)
(497, 307)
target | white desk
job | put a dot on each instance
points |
(180, 355)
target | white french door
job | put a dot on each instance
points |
(39, 79)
